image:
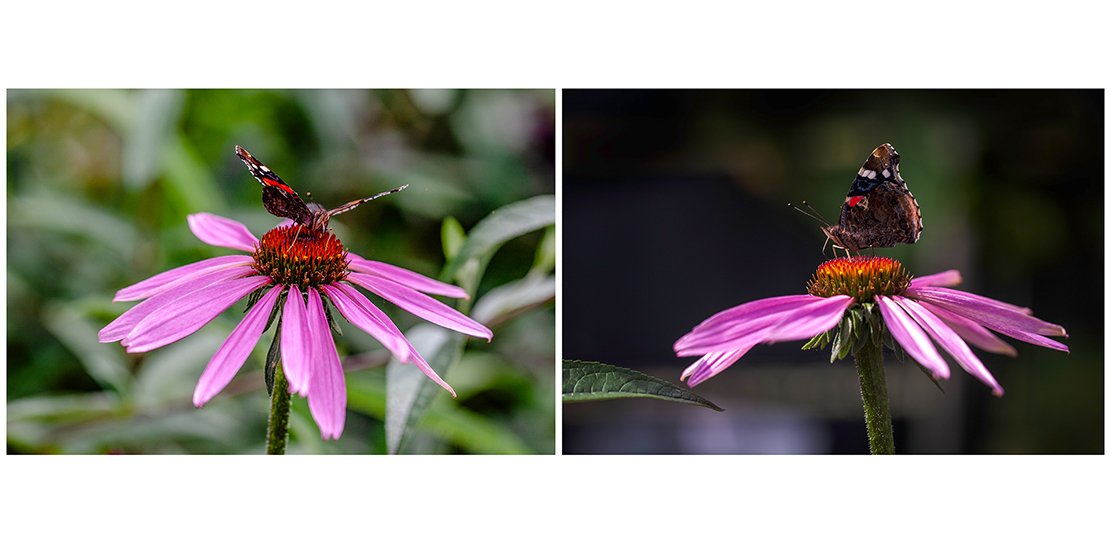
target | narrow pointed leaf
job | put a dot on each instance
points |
(408, 390)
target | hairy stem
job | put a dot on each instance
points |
(873, 390)
(279, 415)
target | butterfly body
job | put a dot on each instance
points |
(281, 200)
(879, 210)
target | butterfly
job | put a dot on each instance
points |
(879, 210)
(281, 200)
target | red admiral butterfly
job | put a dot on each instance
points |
(879, 210)
(281, 200)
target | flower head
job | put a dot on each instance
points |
(853, 300)
(296, 269)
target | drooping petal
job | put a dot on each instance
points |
(234, 352)
(125, 323)
(405, 277)
(798, 321)
(357, 309)
(427, 370)
(711, 364)
(296, 343)
(187, 314)
(740, 320)
(161, 282)
(328, 390)
(221, 232)
(996, 315)
(909, 335)
(972, 332)
(951, 342)
(947, 278)
(421, 305)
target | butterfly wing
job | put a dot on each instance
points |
(879, 210)
(278, 197)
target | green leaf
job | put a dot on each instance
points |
(104, 362)
(448, 421)
(145, 141)
(408, 390)
(273, 357)
(585, 381)
(452, 237)
(502, 225)
(513, 299)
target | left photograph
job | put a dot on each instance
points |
(281, 272)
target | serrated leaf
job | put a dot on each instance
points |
(587, 381)
(408, 390)
(502, 225)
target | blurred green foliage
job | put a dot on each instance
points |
(100, 182)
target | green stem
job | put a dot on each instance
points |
(873, 390)
(279, 415)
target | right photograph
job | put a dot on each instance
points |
(833, 271)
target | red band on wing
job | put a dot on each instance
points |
(269, 181)
(854, 200)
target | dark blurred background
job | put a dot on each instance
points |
(675, 208)
(100, 183)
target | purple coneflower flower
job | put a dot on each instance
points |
(303, 267)
(849, 292)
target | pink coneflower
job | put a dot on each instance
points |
(914, 311)
(296, 269)
(864, 302)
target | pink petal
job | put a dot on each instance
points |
(296, 343)
(947, 278)
(427, 370)
(951, 342)
(800, 321)
(710, 365)
(221, 232)
(328, 391)
(161, 282)
(405, 277)
(740, 320)
(972, 332)
(234, 352)
(421, 305)
(999, 316)
(187, 314)
(909, 335)
(123, 325)
(357, 309)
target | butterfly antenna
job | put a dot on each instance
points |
(384, 193)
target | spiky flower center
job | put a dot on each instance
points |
(293, 255)
(860, 277)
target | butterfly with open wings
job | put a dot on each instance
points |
(281, 200)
